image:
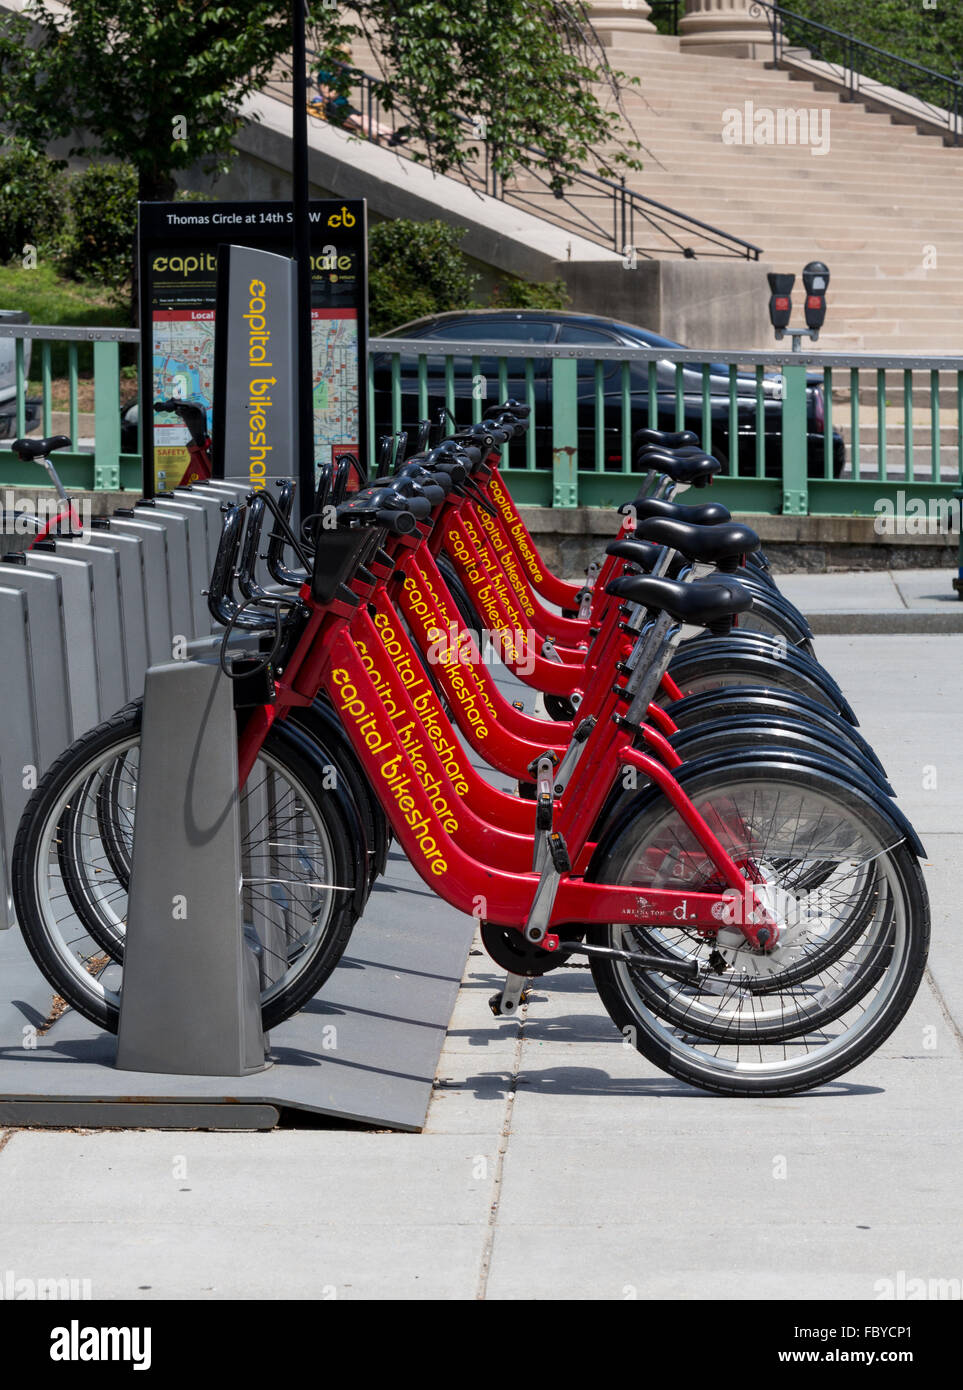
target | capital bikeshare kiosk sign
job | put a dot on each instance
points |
(255, 429)
(180, 245)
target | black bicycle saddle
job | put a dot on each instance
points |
(697, 470)
(637, 552)
(722, 545)
(703, 514)
(704, 603)
(35, 448)
(666, 439)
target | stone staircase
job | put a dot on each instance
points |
(882, 207)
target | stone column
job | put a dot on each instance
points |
(628, 20)
(729, 28)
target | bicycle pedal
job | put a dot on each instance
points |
(505, 1002)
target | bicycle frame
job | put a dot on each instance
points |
(327, 658)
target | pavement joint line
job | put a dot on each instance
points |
(503, 1139)
(899, 592)
(944, 1007)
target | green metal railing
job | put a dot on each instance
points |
(831, 440)
(100, 467)
(899, 420)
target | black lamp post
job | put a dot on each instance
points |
(302, 254)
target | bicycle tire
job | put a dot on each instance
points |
(81, 986)
(680, 1054)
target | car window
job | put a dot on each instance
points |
(574, 333)
(494, 331)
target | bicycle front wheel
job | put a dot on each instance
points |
(71, 862)
(849, 962)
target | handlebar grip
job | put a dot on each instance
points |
(452, 469)
(400, 523)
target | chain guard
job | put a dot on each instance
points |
(509, 949)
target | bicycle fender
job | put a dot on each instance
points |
(748, 645)
(320, 716)
(721, 761)
(770, 699)
(821, 763)
(730, 728)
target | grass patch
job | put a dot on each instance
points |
(50, 298)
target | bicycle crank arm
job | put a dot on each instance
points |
(689, 972)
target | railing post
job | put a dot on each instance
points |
(564, 432)
(795, 472)
(20, 377)
(106, 416)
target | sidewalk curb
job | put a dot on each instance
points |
(886, 623)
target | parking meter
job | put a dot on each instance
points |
(816, 280)
(780, 299)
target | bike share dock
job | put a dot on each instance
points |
(389, 1000)
(365, 1049)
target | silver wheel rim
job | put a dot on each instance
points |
(794, 1057)
(287, 885)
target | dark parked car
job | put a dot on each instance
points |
(8, 379)
(487, 326)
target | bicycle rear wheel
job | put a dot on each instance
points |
(301, 872)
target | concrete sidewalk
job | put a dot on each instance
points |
(867, 601)
(556, 1161)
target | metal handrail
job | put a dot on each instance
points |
(436, 347)
(771, 467)
(854, 79)
(44, 333)
(625, 205)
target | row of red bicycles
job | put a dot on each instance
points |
(696, 818)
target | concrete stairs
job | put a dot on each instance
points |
(882, 206)
(882, 203)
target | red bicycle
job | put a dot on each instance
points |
(754, 924)
(39, 451)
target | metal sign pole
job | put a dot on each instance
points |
(302, 255)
